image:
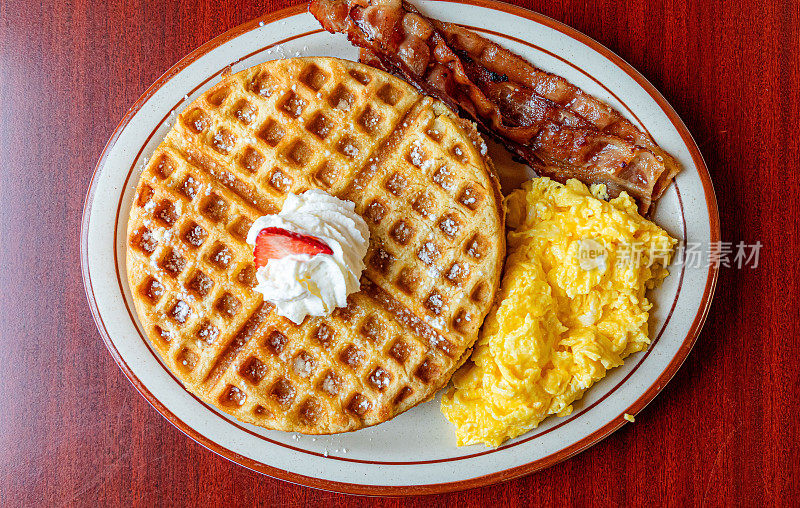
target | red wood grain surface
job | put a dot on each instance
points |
(73, 431)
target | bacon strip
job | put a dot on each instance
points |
(558, 129)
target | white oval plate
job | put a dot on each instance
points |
(416, 452)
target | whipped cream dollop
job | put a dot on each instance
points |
(301, 285)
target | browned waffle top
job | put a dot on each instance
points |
(418, 175)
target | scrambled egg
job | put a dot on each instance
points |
(571, 306)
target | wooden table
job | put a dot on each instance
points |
(74, 431)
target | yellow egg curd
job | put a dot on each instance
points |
(571, 306)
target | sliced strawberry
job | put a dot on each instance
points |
(275, 243)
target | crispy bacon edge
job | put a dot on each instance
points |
(555, 127)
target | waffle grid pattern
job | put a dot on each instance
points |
(417, 175)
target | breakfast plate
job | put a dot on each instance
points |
(415, 452)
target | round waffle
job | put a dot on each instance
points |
(416, 172)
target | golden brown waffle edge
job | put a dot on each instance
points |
(418, 174)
